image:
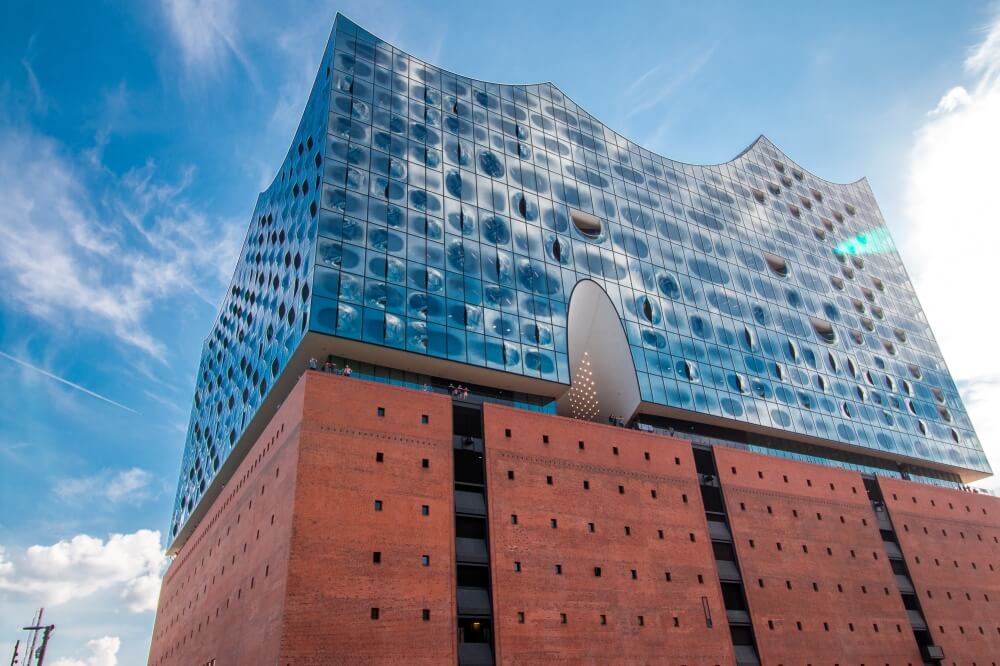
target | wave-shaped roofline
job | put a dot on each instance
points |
(863, 180)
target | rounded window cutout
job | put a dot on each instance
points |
(824, 330)
(557, 250)
(587, 224)
(837, 283)
(758, 195)
(777, 264)
(944, 413)
(900, 334)
(938, 394)
(889, 347)
(857, 336)
(868, 324)
(915, 371)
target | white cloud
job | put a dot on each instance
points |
(103, 652)
(129, 564)
(82, 245)
(953, 231)
(132, 486)
(206, 34)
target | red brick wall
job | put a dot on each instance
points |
(542, 595)
(951, 543)
(833, 513)
(222, 597)
(333, 582)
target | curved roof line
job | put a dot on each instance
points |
(751, 146)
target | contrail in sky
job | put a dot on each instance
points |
(67, 382)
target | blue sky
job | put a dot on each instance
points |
(134, 138)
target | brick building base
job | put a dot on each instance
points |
(334, 543)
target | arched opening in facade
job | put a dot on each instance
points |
(603, 379)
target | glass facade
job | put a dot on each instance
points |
(428, 212)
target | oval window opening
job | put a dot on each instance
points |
(557, 250)
(647, 310)
(824, 330)
(587, 224)
(777, 264)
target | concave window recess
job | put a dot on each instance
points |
(777, 264)
(587, 224)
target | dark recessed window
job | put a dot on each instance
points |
(425, 463)
(379, 457)
(381, 411)
(427, 614)
(425, 510)
(425, 560)
(587, 224)
(424, 418)
(375, 613)
(777, 264)
(597, 571)
(377, 557)
(378, 505)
